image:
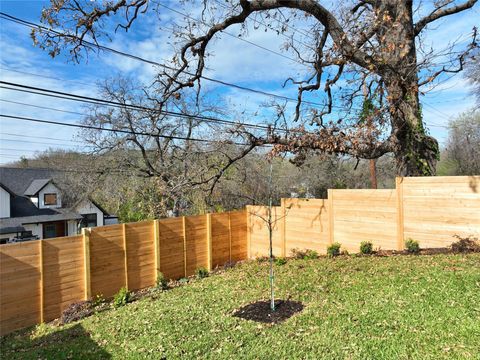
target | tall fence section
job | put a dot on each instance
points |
(39, 279)
(431, 210)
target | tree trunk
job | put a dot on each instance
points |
(416, 153)
(373, 173)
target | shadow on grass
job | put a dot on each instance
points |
(70, 343)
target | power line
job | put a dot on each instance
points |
(8, 68)
(42, 107)
(151, 62)
(39, 137)
(98, 101)
(21, 150)
(170, 137)
(42, 143)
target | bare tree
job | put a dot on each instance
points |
(372, 42)
(463, 146)
(473, 74)
(157, 140)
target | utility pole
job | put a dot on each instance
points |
(373, 162)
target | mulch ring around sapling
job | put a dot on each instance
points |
(260, 311)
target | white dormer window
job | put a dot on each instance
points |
(50, 199)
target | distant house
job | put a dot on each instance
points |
(31, 207)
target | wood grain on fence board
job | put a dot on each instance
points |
(306, 224)
(107, 260)
(437, 210)
(196, 243)
(259, 236)
(365, 215)
(171, 248)
(220, 239)
(238, 230)
(19, 285)
(63, 274)
(141, 254)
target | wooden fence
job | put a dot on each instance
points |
(39, 279)
(431, 210)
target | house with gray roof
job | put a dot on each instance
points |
(32, 206)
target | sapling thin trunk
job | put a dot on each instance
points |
(270, 237)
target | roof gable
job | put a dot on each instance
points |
(35, 186)
(19, 179)
(7, 189)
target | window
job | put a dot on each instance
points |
(50, 199)
(49, 231)
(89, 220)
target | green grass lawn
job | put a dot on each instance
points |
(401, 307)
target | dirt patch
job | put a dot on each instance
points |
(428, 251)
(76, 311)
(260, 311)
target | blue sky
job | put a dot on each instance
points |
(232, 60)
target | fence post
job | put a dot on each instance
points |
(125, 253)
(330, 216)
(283, 227)
(184, 246)
(400, 221)
(42, 288)
(86, 262)
(156, 239)
(209, 241)
(249, 229)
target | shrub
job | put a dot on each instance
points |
(412, 246)
(366, 247)
(464, 245)
(162, 283)
(201, 272)
(310, 254)
(183, 281)
(121, 298)
(334, 249)
(98, 300)
(280, 261)
(304, 254)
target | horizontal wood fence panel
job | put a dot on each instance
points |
(20, 287)
(63, 274)
(238, 226)
(220, 239)
(172, 260)
(364, 215)
(107, 260)
(306, 225)
(196, 243)
(259, 234)
(140, 254)
(437, 210)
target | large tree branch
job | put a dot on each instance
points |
(439, 13)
